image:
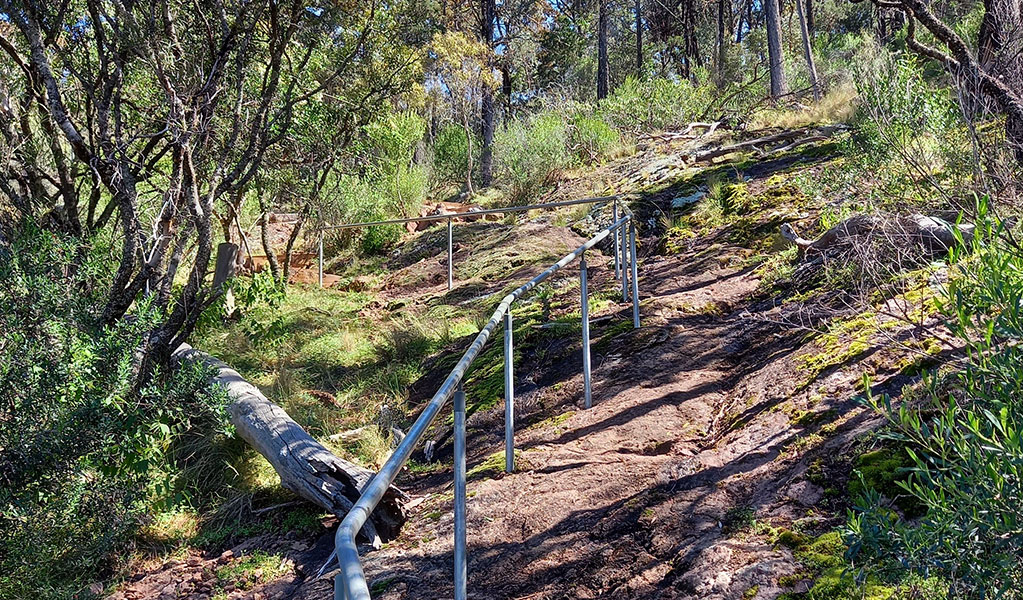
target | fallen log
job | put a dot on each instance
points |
(304, 465)
(794, 137)
(934, 234)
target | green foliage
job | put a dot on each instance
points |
(87, 446)
(259, 300)
(393, 139)
(528, 155)
(655, 104)
(450, 154)
(592, 138)
(882, 470)
(910, 133)
(964, 443)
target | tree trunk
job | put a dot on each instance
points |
(487, 104)
(304, 465)
(719, 66)
(774, 49)
(639, 39)
(808, 51)
(811, 19)
(468, 154)
(603, 76)
(1001, 54)
(264, 237)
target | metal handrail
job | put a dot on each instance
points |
(350, 583)
(450, 217)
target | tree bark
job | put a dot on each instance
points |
(304, 465)
(804, 31)
(719, 66)
(487, 103)
(603, 76)
(774, 49)
(1001, 54)
(639, 39)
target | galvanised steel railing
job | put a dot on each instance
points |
(451, 216)
(350, 583)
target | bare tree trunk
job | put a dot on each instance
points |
(603, 76)
(811, 19)
(264, 237)
(468, 154)
(808, 51)
(304, 465)
(289, 249)
(774, 49)
(1001, 54)
(639, 39)
(719, 66)
(487, 104)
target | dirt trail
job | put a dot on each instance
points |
(649, 494)
(632, 498)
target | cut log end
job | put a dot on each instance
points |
(305, 466)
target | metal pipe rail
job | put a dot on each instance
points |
(451, 216)
(350, 583)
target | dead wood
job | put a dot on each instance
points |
(791, 138)
(304, 465)
(936, 235)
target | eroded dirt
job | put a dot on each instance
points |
(694, 421)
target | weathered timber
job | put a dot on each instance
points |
(304, 465)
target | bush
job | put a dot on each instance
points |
(450, 154)
(964, 443)
(649, 104)
(593, 139)
(528, 155)
(393, 139)
(88, 445)
(910, 134)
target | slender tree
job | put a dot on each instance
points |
(489, 12)
(639, 39)
(808, 52)
(719, 63)
(603, 74)
(775, 53)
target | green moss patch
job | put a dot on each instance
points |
(882, 470)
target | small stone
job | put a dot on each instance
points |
(96, 588)
(226, 556)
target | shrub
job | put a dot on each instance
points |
(450, 154)
(964, 443)
(393, 139)
(636, 105)
(528, 155)
(910, 133)
(593, 139)
(88, 443)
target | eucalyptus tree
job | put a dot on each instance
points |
(143, 121)
(157, 113)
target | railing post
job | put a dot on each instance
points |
(635, 280)
(614, 219)
(450, 256)
(461, 578)
(624, 262)
(509, 396)
(320, 261)
(586, 332)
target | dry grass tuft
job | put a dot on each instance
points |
(838, 106)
